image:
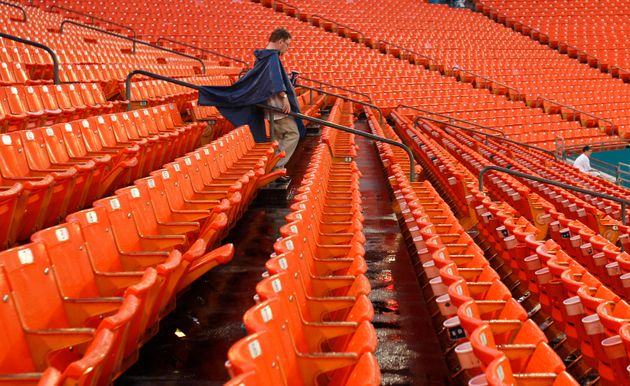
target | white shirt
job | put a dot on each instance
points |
(583, 163)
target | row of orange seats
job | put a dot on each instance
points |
(134, 251)
(467, 291)
(50, 171)
(475, 156)
(513, 240)
(312, 324)
(30, 106)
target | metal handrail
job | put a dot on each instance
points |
(549, 152)
(66, 21)
(621, 201)
(612, 125)
(412, 173)
(50, 9)
(273, 6)
(338, 87)
(457, 68)
(52, 53)
(405, 49)
(344, 98)
(202, 50)
(450, 118)
(18, 7)
(341, 25)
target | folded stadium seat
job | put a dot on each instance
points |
(119, 131)
(67, 102)
(152, 144)
(126, 252)
(13, 201)
(129, 224)
(173, 119)
(499, 373)
(21, 364)
(192, 182)
(16, 167)
(257, 354)
(527, 348)
(319, 298)
(87, 94)
(74, 321)
(212, 220)
(75, 142)
(14, 110)
(162, 150)
(146, 220)
(12, 73)
(50, 103)
(76, 99)
(273, 317)
(87, 177)
(165, 123)
(339, 337)
(173, 139)
(78, 277)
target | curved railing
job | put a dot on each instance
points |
(43, 47)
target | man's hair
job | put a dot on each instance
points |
(586, 148)
(279, 34)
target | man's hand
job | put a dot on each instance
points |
(286, 107)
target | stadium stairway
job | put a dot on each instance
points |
(192, 342)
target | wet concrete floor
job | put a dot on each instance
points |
(192, 343)
(408, 351)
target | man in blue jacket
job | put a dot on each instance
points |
(266, 83)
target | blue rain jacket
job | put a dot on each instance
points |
(237, 102)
